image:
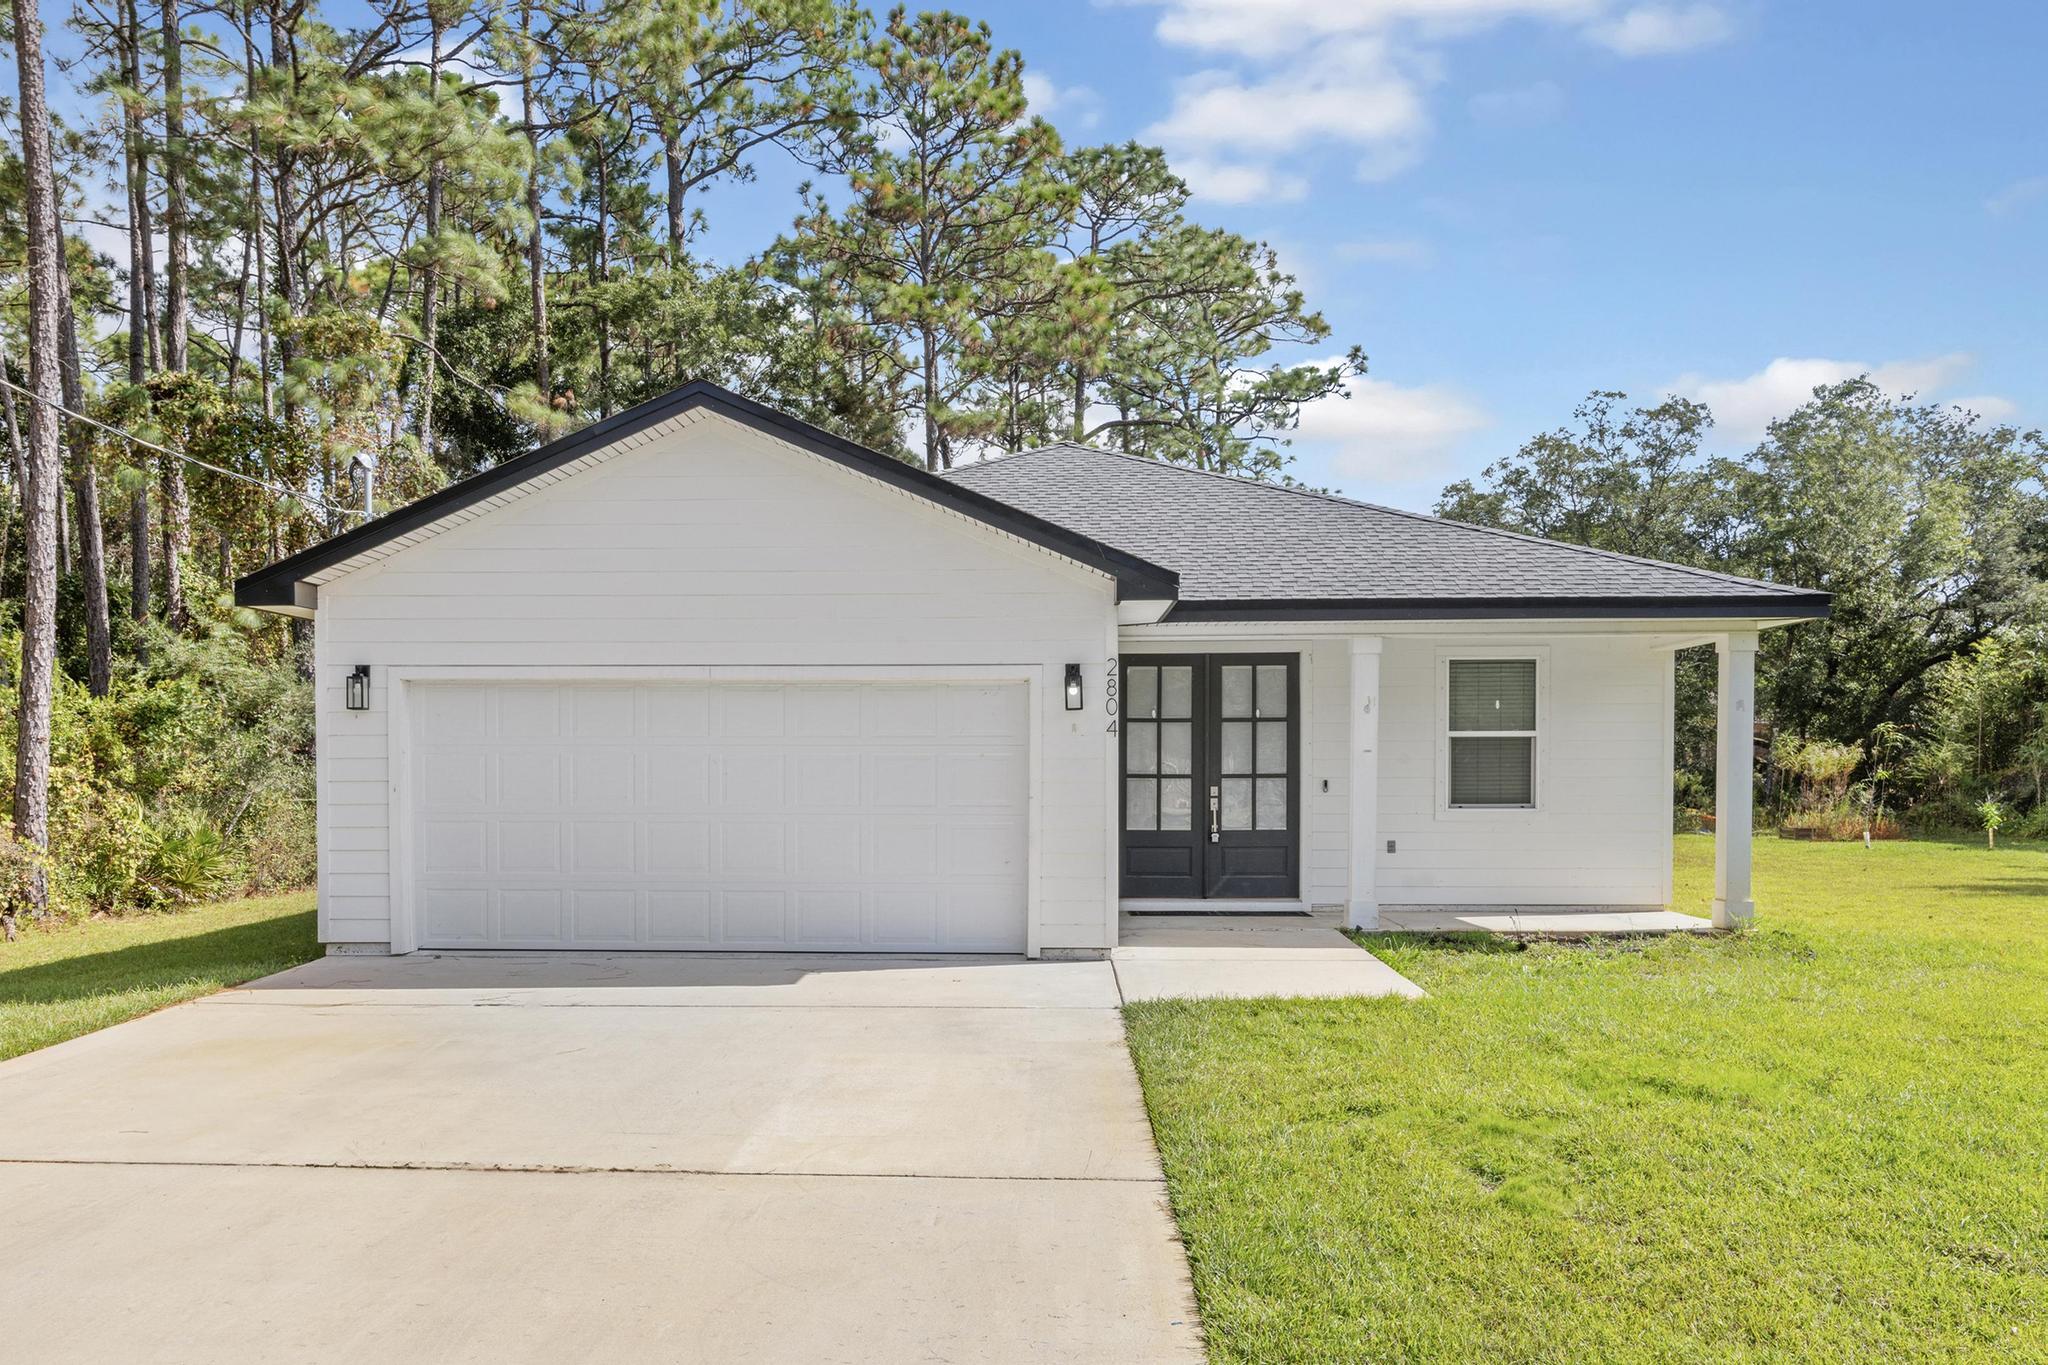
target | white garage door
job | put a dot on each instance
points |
(801, 816)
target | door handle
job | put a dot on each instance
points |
(1215, 816)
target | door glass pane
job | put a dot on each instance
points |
(1272, 746)
(1237, 746)
(1143, 687)
(1176, 803)
(1237, 691)
(1272, 690)
(1272, 800)
(1177, 692)
(1493, 694)
(1491, 771)
(1141, 803)
(1176, 746)
(1141, 747)
(1237, 803)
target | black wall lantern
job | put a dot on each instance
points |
(1073, 687)
(358, 688)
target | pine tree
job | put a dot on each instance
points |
(40, 459)
(954, 200)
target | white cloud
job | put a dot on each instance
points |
(1353, 93)
(1355, 74)
(1267, 28)
(1518, 106)
(1744, 407)
(1988, 406)
(1390, 432)
(1239, 182)
(1076, 105)
(1659, 30)
(1388, 251)
(2017, 195)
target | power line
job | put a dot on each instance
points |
(132, 439)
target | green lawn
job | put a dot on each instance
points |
(1824, 1140)
(59, 983)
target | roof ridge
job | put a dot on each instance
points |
(1713, 575)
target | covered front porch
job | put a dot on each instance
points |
(1735, 705)
(1440, 777)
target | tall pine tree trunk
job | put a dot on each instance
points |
(85, 493)
(39, 496)
(672, 161)
(139, 303)
(176, 521)
(535, 240)
(430, 276)
(604, 275)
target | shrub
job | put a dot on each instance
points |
(190, 863)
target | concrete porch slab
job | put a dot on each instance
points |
(1209, 956)
(1550, 922)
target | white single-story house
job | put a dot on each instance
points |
(702, 676)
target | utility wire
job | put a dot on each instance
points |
(132, 439)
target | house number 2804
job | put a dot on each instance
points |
(1109, 690)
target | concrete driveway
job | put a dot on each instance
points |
(557, 1158)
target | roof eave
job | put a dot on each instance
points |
(1790, 606)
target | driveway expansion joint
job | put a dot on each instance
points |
(493, 1168)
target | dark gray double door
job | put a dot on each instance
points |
(1210, 755)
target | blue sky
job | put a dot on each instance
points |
(1511, 202)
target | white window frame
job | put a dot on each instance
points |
(1536, 654)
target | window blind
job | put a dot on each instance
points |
(1493, 694)
(1492, 732)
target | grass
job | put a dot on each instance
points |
(1823, 1139)
(60, 982)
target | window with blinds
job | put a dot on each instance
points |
(1492, 733)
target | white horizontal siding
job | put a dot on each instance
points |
(1602, 831)
(712, 545)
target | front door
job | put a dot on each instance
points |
(1211, 790)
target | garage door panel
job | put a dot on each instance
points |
(529, 778)
(529, 846)
(678, 918)
(455, 847)
(529, 713)
(902, 779)
(886, 817)
(754, 919)
(679, 847)
(530, 915)
(827, 919)
(604, 712)
(455, 915)
(905, 918)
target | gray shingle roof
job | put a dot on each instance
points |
(1237, 544)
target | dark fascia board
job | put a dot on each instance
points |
(1803, 606)
(276, 585)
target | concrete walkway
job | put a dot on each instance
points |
(610, 1158)
(1235, 956)
(1539, 921)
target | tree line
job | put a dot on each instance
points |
(1929, 683)
(267, 254)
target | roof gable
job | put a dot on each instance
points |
(290, 584)
(1246, 550)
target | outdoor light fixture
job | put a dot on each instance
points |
(1073, 687)
(358, 693)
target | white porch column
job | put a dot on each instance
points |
(1363, 908)
(1735, 736)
